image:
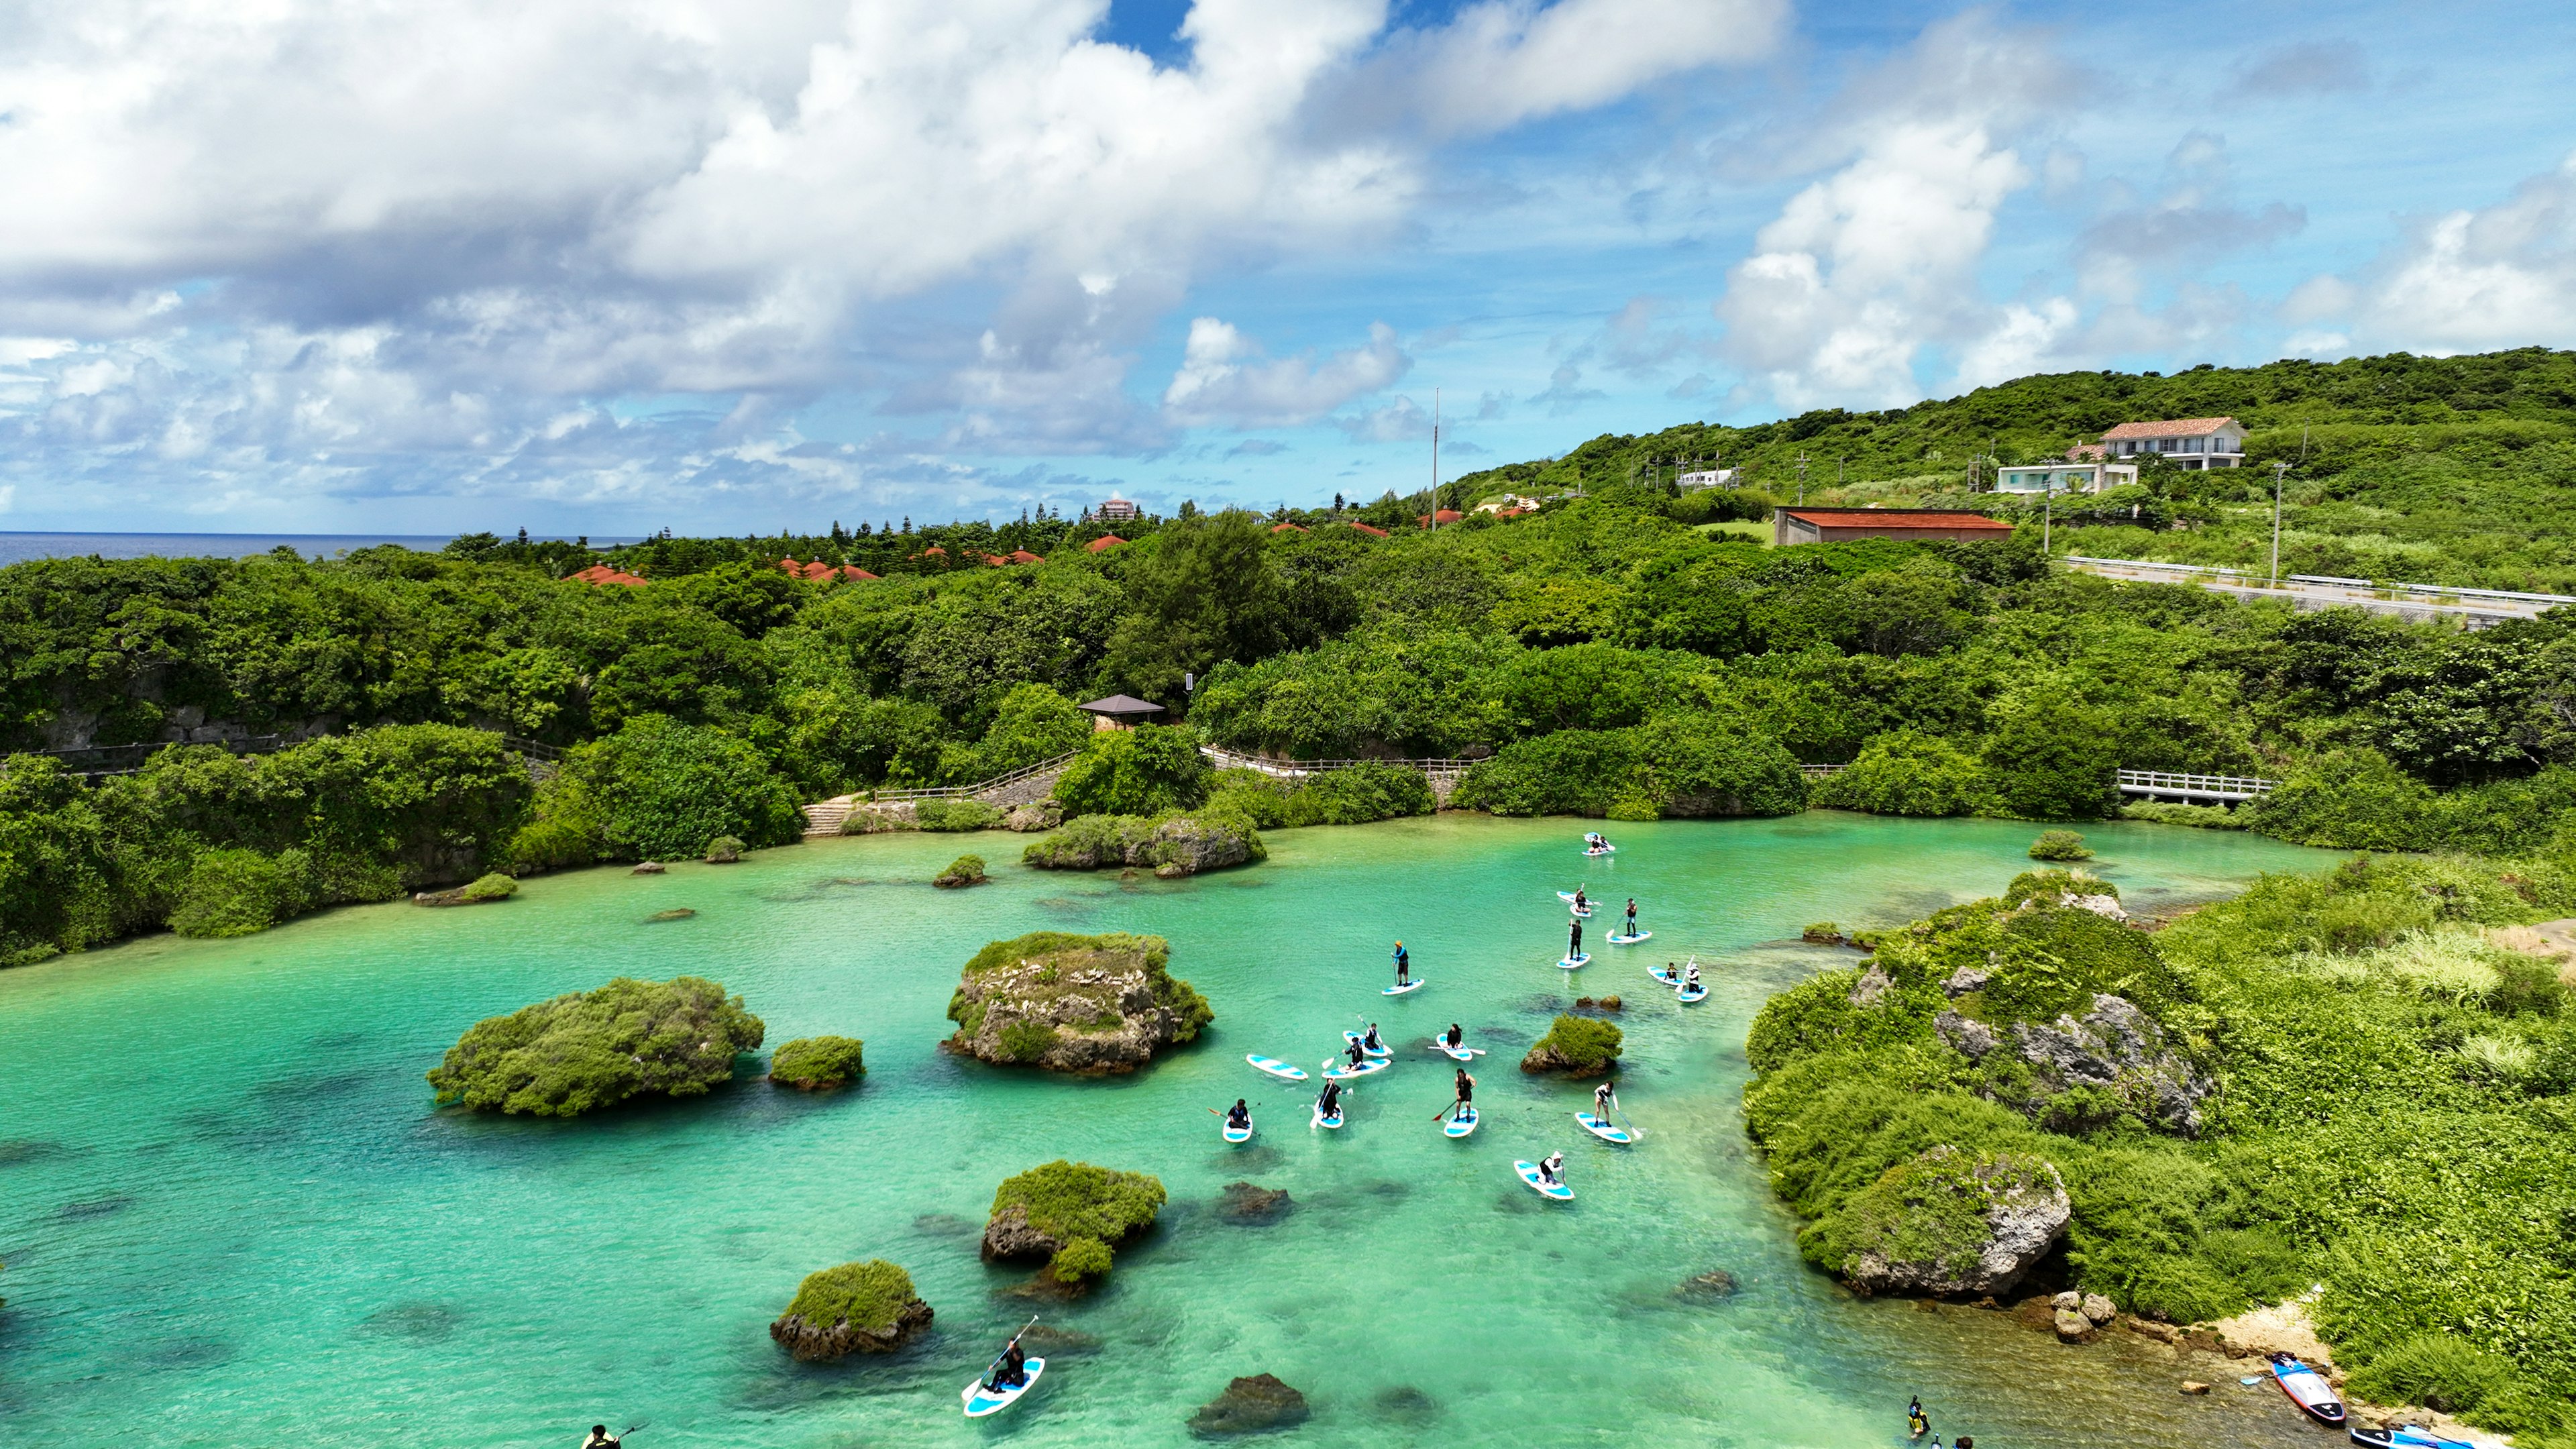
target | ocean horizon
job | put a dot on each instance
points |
(21, 547)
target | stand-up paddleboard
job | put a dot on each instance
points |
(1667, 977)
(1552, 1191)
(1580, 913)
(1462, 1123)
(1462, 1053)
(1566, 896)
(1692, 995)
(2405, 1436)
(981, 1400)
(1618, 940)
(1413, 985)
(2308, 1389)
(1236, 1134)
(1334, 1121)
(1600, 849)
(1606, 1131)
(1574, 963)
(1375, 1051)
(1336, 1073)
(1277, 1068)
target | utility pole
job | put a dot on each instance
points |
(2278, 467)
(1802, 477)
(1435, 459)
(2047, 515)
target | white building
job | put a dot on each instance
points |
(2185, 442)
(2083, 475)
(1707, 478)
(1115, 509)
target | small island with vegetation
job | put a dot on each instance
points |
(483, 890)
(1073, 1214)
(817, 1063)
(1093, 1005)
(964, 871)
(1579, 1046)
(587, 1050)
(865, 1307)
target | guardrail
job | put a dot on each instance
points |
(960, 792)
(1819, 772)
(2386, 590)
(2195, 787)
(1229, 759)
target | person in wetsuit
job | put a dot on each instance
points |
(1604, 1099)
(1238, 1116)
(599, 1438)
(1330, 1103)
(1466, 1095)
(1368, 1039)
(1403, 964)
(1574, 941)
(1632, 917)
(1547, 1169)
(1916, 1425)
(1455, 1035)
(1011, 1372)
(1690, 976)
(1355, 1052)
(1581, 901)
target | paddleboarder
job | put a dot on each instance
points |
(1581, 902)
(1329, 1105)
(1455, 1037)
(1547, 1169)
(1466, 1095)
(599, 1438)
(1370, 1041)
(1011, 1371)
(1574, 941)
(1403, 966)
(1238, 1116)
(1690, 976)
(1632, 918)
(1356, 1052)
(1605, 1100)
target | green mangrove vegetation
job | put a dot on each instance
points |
(1581, 1046)
(586, 1050)
(818, 1063)
(2343, 1081)
(868, 1307)
(1085, 1004)
(1074, 1213)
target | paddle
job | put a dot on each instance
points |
(631, 1428)
(987, 1376)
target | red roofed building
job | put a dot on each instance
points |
(2189, 442)
(995, 561)
(1834, 525)
(1104, 543)
(598, 574)
(1438, 517)
(1286, 528)
(1023, 556)
(853, 571)
(1371, 532)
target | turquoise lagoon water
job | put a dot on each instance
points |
(231, 1215)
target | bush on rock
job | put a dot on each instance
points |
(1577, 1045)
(865, 1307)
(1071, 1213)
(1088, 1004)
(593, 1049)
(965, 870)
(817, 1063)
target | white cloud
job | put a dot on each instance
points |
(1221, 380)
(1506, 61)
(2498, 276)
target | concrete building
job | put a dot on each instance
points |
(1116, 509)
(1835, 525)
(1707, 478)
(2079, 475)
(2185, 442)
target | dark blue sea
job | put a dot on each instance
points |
(17, 547)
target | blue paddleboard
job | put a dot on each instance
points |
(981, 1400)
(1461, 1124)
(1277, 1068)
(1553, 1192)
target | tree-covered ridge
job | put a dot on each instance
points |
(2331, 1080)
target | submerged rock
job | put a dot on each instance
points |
(1713, 1286)
(1249, 1406)
(1406, 1403)
(1045, 1340)
(1093, 1005)
(1253, 1205)
(676, 913)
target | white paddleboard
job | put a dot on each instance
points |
(1462, 1053)
(1277, 1068)
(1337, 1073)
(1334, 1121)
(1692, 995)
(1574, 963)
(1606, 1131)
(1553, 1192)
(1236, 1134)
(1580, 913)
(1618, 940)
(981, 1400)
(1461, 1124)
(1664, 976)
(1413, 985)
(1604, 850)
(1375, 1051)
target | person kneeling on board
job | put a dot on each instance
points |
(599, 1438)
(1547, 1169)
(1329, 1105)
(1238, 1116)
(1369, 1039)
(1690, 976)
(1011, 1372)
(1455, 1036)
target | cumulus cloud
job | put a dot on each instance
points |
(2193, 220)
(1502, 62)
(1223, 381)
(2498, 276)
(2309, 68)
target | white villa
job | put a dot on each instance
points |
(1707, 478)
(2082, 475)
(2187, 442)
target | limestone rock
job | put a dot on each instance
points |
(882, 815)
(1093, 1005)
(2099, 1309)
(2120, 1049)
(1713, 1286)
(1249, 1406)
(1028, 819)
(1008, 1235)
(2074, 1327)
(1971, 1039)
(2194, 1386)
(811, 1342)
(1874, 984)
(2069, 1301)
(725, 851)
(1950, 1224)
(2160, 1332)
(650, 867)
(1184, 846)
(1253, 1205)
(1965, 980)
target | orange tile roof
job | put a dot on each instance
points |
(1023, 556)
(2170, 428)
(1445, 515)
(1371, 532)
(1894, 518)
(1286, 528)
(598, 574)
(1104, 543)
(853, 571)
(1511, 512)
(2083, 452)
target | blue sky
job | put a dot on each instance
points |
(748, 266)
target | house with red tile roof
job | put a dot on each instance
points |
(1105, 542)
(1023, 556)
(2195, 443)
(853, 571)
(1371, 532)
(1835, 525)
(1286, 528)
(1438, 517)
(599, 574)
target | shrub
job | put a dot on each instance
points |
(587, 1050)
(2168, 812)
(1580, 1044)
(2045, 762)
(665, 789)
(2060, 845)
(1027, 1039)
(2052, 886)
(965, 870)
(870, 1295)
(1068, 1201)
(956, 815)
(724, 849)
(1080, 1260)
(238, 892)
(1930, 1210)
(492, 887)
(1906, 773)
(815, 1062)
(1142, 771)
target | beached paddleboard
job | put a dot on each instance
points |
(1335, 1072)
(1413, 985)
(1574, 963)
(1462, 1123)
(981, 1400)
(2308, 1389)
(1375, 1051)
(1277, 1068)
(1552, 1191)
(1606, 1131)
(1462, 1053)
(2405, 1436)
(1237, 1134)
(1618, 940)
(1334, 1121)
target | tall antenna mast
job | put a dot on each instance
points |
(1435, 457)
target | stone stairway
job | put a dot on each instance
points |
(826, 817)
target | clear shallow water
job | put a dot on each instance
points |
(230, 1213)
